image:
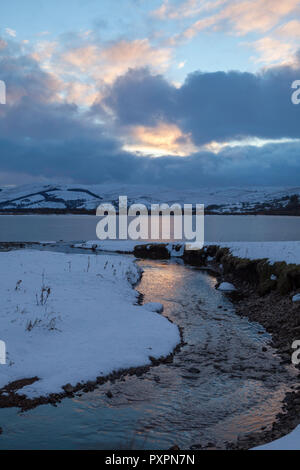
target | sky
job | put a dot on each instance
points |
(179, 93)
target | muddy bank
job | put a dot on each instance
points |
(10, 398)
(268, 301)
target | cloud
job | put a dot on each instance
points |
(24, 78)
(210, 106)
(44, 51)
(82, 63)
(107, 62)
(11, 32)
(81, 93)
(241, 18)
(234, 16)
(82, 57)
(162, 139)
(3, 44)
(256, 15)
(43, 137)
(188, 8)
(141, 98)
(273, 51)
(86, 161)
(289, 30)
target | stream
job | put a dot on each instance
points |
(221, 384)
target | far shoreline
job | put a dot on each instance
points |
(279, 213)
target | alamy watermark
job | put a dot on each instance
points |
(296, 354)
(2, 92)
(296, 94)
(2, 353)
(160, 222)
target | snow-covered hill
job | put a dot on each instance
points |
(84, 198)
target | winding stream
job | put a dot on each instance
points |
(221, 384)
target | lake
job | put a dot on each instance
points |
(218, 228)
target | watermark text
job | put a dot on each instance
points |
(160, 222)
(2, 353)
(296, 354)
(296, 94)
(2, 92)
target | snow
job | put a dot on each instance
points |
(296, 298)
(127, 246)
(124, 246)
(289, 442)
(273, 251)
(226, 287)
(68, 318)
(176, 249)
(234, 199)
(154, 307)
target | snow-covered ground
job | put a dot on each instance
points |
(289, 442)
(124, 246)
(88, 197)
(127, 246)
(226, 287)
(68, 318)
(273, 251)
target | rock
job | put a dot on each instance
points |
(152, 251)
(109, 394)
(265, 287)
(210, 445)
(168, 360)
(296, 298)
(174, 448)
(226, 287)
(195, 258)
(68, 388)
(283, 285)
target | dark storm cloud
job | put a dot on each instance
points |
(212, 106)
(224, 106)
(139, 98)
(85, 161)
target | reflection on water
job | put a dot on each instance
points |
(220, 385)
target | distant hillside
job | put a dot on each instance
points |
(74, 198)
